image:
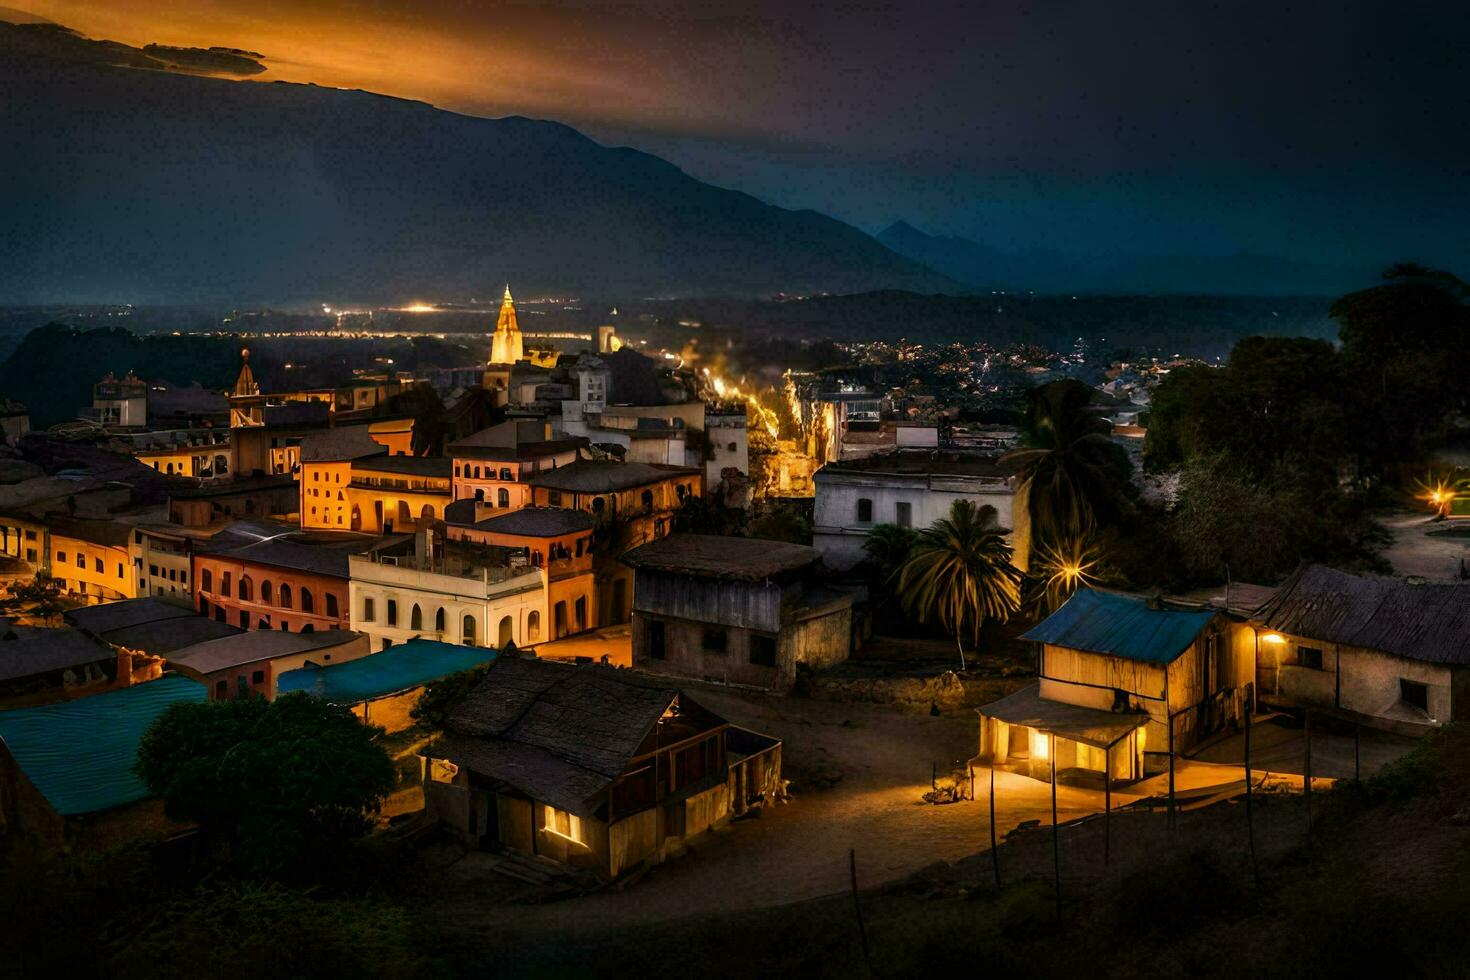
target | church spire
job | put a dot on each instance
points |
(506, 347)
(245, 385)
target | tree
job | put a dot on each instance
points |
(959, 571)
(439, 697)
(888, 545)
(1072, 475)
(280, 783)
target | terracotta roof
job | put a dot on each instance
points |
(339, 444)
(720, 557)
(606, 476)
(538, 522)
(1420, 621)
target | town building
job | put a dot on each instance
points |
(41, 665)
(1384, 652)
(589, 767)
(451, 590)
(242, 498)
(910, 488)
(350, 483)
(119, 402)
(160, 554)
(260, 575)
(66, 769)
(632, 503)
(735, 610)
(90, 557)
(1125, 681)
(558, 542)
(382, 689)
(250, 664)
(495, 465)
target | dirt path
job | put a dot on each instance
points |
(1414, 551)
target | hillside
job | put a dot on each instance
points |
(153, 186)
(981, 266)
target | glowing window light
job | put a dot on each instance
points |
(1273, 638)
(1040, 744)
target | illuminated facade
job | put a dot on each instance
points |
(506, 347)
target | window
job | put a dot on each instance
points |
(285, 596)
(579, 612)
(865, 511)
(533, 626)
(258, 677)
(224, 584)
(119, 570)
(244, 620)
(763, 650)
(505, 473)
(905, 514)
(369, 610)
(97, 565)
(208, 581)
(646, 499)
(247, 588)
(716, 640)
(265, 591)
(332, 604)
(307, 603)
(392, 618)
(553, 498)
(656, 648)
(502, 497)
(468, 631)
(439, 620)
(221, 690)
(563, 824)
(81, 560)
(1309, 657)
(1414, 694)
(61, 556)
(416, 618)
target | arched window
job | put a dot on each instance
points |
(206, 581)
(477, 472)
(507, 627)
(439, 620)
(502, 497)
(308, 604)
(416, 618)
(285, 596)
(224, 584)
(598, 504)
(505, 473)
(480, 493)
(647, 500)
(533, 627)
(580, 610)
(265, 591)
(392, 612)
(468, 631)
(332, 604)
(247, 588)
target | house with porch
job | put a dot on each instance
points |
(590, 766)
(1380, 651)
(1124, 681)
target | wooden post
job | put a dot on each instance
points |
(1307, 775)
(1056, 843)
(933, 775)
(1250, 824)
(1357, 751)
(1171, 770)
(994, 853)
(972, 781)
(1107, 805)
(857, 908)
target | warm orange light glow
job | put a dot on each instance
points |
(1273, 637)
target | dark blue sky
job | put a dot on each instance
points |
(1336, 133)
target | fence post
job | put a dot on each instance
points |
(1171, 769)
(1056, 842)
(858, 908)
(1250, 825)
(1307, 775)
(994, 853)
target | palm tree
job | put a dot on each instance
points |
(959, 571)
(1072, 474)
(888, 545)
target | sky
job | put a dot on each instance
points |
(1336, 133)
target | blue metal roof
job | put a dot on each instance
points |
(398, 668)
(1122, 626)
(80, 754)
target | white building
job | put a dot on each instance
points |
(455, 591)
(911, 488)
(161, 559)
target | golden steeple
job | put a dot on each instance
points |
(245, 385)
(506, 348)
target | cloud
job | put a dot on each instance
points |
(50, 40)
(211, 61)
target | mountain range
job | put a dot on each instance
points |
(981, 267)
(135, 184)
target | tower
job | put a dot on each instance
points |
(505, 348)
(247, 407)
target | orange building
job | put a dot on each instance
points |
(259, 575)
(494, 466)
(633, 502)
(557, 541)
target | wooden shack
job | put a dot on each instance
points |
(590, 766)
(735, 610)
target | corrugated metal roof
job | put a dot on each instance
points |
(399, 668)
(1121, 625)
(80, 754)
